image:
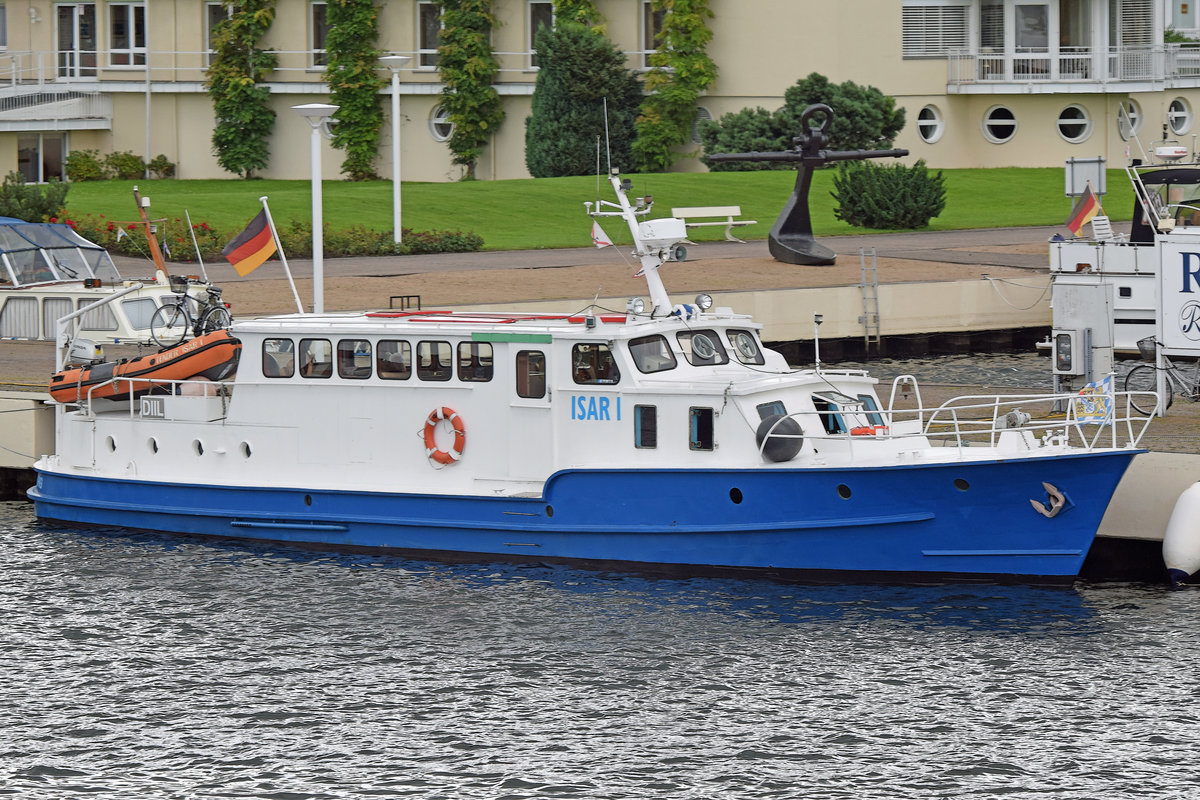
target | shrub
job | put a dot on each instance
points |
(745, 131)
(161, 167)
(887, 197)
(85, 165)
(125, 166)
(296, 238)
(127, 238)
(31, 202)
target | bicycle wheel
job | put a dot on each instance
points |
(169, 325)
(1143, 378)
(215, 319)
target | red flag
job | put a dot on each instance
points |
(251, 247)
(1087, 207)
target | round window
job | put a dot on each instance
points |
(1074, 124)
(999, 124)
(1129, 119)
(1179, 116)
(702, 113)
(930, 125)
(440, 126)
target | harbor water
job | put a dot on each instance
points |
(138, 665)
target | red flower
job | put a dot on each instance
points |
(54, 219)
(131, 227)
(110, 225)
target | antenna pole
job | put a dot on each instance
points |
(607, 143)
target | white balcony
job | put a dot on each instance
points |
(1076, 69)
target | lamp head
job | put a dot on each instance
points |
(315, 113)
(395, 63)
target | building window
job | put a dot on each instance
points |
(440, 126)
(214, 14)
(1179, 116)
(930, 125)
(652, 25)
(40, 156)
(394, 360)
(702, 114)
(318, 32)
(541, 15)
(429, 34)
(127, 34)
(1074, 124)
(3, 26)
(933, 30)
(1032, 27)
(999, 124)
(645, 427)
(1129, 119)
(531, 373)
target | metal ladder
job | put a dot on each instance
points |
(869, 285)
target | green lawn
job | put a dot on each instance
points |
(549, 212)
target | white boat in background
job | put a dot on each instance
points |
(663, 437)
(47, 271)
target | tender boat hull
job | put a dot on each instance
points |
(958, 520)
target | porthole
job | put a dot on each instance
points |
(1074, 124)
(1179, 116)
(961, 484)
(245, 448)
(308, 499)
(440, 126)
(999, 124)
(1129, 119)
(735, 495)
(843, 491)
(152, 443)
(549, 511)
(930, 125)
(198, 447)
(110, 443)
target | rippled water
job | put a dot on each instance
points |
(134, 665)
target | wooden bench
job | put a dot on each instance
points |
(728, 212)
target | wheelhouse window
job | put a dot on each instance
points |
(700, 428)
(318, 32)
(316, 358)
(745, 346)
(594, 363)
(871, 408)
(278, 358)
(840, 412)
(652, 354)
(127, 34)
(393, 360)
(645, 427)
(475, 362)
(434, 361)
(541, 15)
(775, 408)
(702, 348)
(429, 33)
(652, 25)
(531, 373)
(354, 359)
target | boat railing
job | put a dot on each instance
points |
(138, 389)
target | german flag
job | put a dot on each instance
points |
(251, 247)
(1087, 207)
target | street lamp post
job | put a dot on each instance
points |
(395, 64)
(318, 115)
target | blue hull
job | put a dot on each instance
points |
(956, 520)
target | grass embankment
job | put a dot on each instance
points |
(549, 212)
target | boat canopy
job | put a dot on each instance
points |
(44, 252)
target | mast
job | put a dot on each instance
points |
(156, 255)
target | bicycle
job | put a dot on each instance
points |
(172, 322)
(1144, 378)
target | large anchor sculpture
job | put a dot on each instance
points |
(791, 239)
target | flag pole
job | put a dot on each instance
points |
(199, 257)
(282, 257)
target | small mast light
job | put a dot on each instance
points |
(635, 305)
(704, 300)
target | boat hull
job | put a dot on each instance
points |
(959, 520)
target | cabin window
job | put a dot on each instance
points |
(318, 32)
(139, 312)
(98, 319)
(434, 360)
(645, 427)
(702, 348)
(475, 362)
(29, 266)
(278, 358)
(394, 360)
(775, 408)
(127, 34)
(745, 346)
(700, 428)
(594, 363)
(53, 309)
(19, 320)
(652, 354)
(872, 408)
(354, 358)
(316, 358)
(531, 373)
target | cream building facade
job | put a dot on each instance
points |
(985, 83)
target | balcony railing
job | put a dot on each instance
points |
(1076, 64)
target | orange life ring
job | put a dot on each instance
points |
(460, 437)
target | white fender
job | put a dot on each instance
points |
(1181, 542)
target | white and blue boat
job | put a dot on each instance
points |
(664, 437)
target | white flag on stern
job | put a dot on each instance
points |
(599, 237)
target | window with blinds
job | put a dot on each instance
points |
(933, 30)
(1135, 23)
